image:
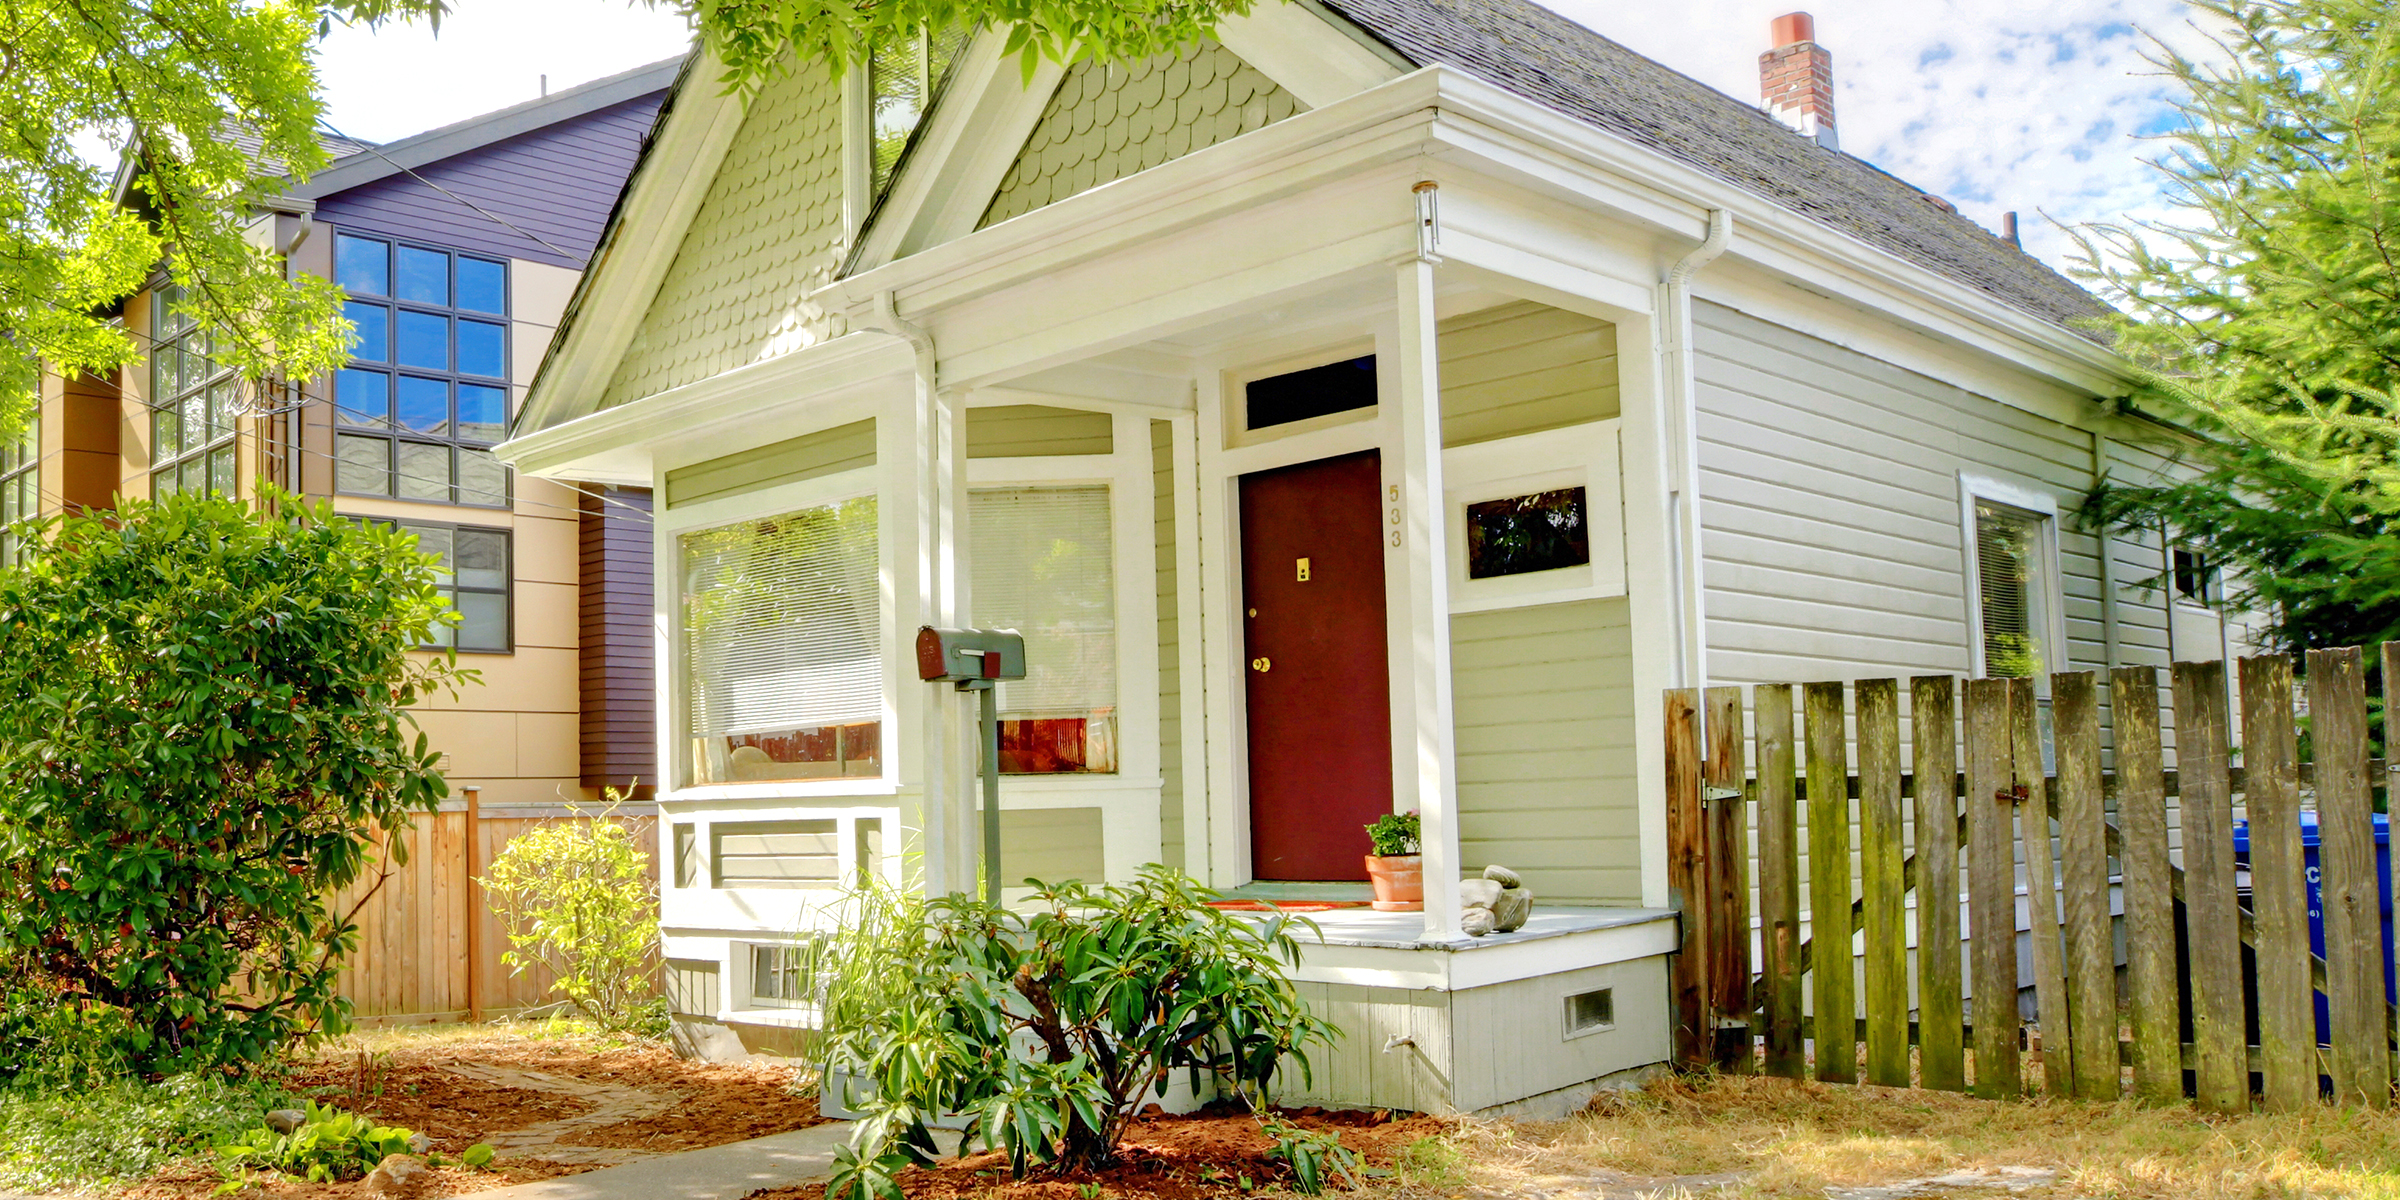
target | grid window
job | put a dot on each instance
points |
(473, 570)
(426, 393)
(20, 489)
(191, 404)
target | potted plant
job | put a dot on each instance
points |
(1396, 869)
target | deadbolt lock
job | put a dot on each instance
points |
(1303, 570)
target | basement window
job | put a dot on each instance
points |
(1591, 1012)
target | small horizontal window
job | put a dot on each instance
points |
(1522, 534)
(1315, 392)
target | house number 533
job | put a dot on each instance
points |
(1395, 513)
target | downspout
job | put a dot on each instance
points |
(2110, 635)
(948, 807)
(1683, 483)
(887, 314)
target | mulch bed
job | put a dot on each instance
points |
(1206, 1155)
(407, 1086)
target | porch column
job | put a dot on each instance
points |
(1426, 765)
(921, 442)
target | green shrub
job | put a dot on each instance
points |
(206, 727)
(1314, 1158)
(1112, 990)
(89, 1137)
(577, 897)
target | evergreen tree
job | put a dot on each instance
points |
(2270, 320)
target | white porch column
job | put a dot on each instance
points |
(921, 444)
(1425, 763)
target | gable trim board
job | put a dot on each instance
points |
(1456, 116)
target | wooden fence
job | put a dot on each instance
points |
(2215, 998)
(429, 945)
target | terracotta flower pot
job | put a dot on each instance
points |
(1399, 882)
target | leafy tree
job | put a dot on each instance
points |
(2270, 320)
(213, 102)
(578, 898)
(204, 735)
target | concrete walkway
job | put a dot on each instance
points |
(727, 1172)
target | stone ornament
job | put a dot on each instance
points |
(1497, 903)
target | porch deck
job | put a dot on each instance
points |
(1389, 949)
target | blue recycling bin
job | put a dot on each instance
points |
(2316, 899)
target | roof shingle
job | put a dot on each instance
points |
(1553, 61)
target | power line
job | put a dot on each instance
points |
(480, 210)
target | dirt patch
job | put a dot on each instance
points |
(191, 1183)
(714, 1103)
(1203, 1156)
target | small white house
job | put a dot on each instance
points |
(1371, 409)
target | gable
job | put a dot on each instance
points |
(556, 183)
(767, 233)
(1106, 122)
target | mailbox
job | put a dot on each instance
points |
(969, 655)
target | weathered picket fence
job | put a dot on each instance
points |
(2216, 998)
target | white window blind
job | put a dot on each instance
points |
(780, 622)
(1042, 566)
(2012, 587)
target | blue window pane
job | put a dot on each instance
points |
(374, 323)
(424, 276)
(482, 285)
(482, 412)
(362, 265)
(363, 397)
(425, 405)
(424, 340)
(483, 349)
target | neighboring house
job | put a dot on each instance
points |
(459, 249)
(1374, 408)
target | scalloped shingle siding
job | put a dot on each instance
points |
(768, 233)
(1107, 122)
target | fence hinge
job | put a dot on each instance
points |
(1708, 794)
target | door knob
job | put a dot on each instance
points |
(1260, 664)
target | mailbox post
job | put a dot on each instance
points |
(978, 660)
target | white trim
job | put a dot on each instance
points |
(963, 150)
(2044, 505)
(1317, 62)
(1583, 456)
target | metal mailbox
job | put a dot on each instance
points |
(969, 655)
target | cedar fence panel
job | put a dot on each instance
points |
(2217, 995)
(411, 963)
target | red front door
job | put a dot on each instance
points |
(1320, 717)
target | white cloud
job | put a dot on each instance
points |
(2030, 106)
(384, 84)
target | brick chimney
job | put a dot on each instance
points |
(1795, 79)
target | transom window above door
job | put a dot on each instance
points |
(426, 391)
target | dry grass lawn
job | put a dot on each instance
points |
(1745, 1137)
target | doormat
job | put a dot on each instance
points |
(1289, 906)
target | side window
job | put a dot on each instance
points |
(191, 404)
(20, 487)
(2014, 592)
(475, 576)
(1044, 566)
(901, 77)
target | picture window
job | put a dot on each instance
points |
(1518, 535)
(1044, 566)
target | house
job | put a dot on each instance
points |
(1373, 408)
(459, 248)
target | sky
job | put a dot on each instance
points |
(2032, 106)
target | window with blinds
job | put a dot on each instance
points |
(1042, 565)
(782, 663)
(2012, 585)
